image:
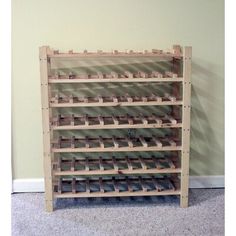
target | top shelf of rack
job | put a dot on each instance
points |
(174, 53)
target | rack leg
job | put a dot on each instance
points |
(183, 201)
(49, 206)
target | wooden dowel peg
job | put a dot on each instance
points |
(142, 74)
(171, 164)
(100, 98)
(86, 163)
(129, 119)
(71, 99)
(171, 119)
(155, 97)
(115, 143)
(85, 99)
(144, 120)
(157, 185)
(156, 162)
(156, 51)
(72, 123)
(143, 164)
(87, 185)
(73, 185)
(128, 75)
(101, 185)
(100, 75)
(59, 186)
(114, 163)
(128, 97)
(129, 163)
(157, 141)
(171, 98)
(158, 120)
(144, 188)
(86, 120)
(101, 120)
(142, 140)
(115, 99)
(72, 164)
(129, 141)
(87, 142)
(101, 166)
(71, 75)
(115, 120)
(73, 142)
(115, 185)
(171, 74)
(102, 145)
(59, 164)
(156, 74)
(114, 74)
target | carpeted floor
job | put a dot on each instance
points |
(120, 216)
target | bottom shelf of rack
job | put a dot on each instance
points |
(116, 187)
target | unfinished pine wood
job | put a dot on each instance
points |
(159, 186)
(63, 174)
(55, 80)
(153, 100)
(186, 126)
(108, 144)
(148, 165)
(116, 53)
(47, 134)
(72, 122)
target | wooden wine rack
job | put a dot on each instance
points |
(92, 168)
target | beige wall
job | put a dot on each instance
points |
(123, 24)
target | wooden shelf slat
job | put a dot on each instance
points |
(125, 168)
(113, 122)
(143, 190)
(115, 80)
(120, 149)
(115, 53)
(110, 104)
(118, 194)
(120, 126)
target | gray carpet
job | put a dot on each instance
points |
(120, 216)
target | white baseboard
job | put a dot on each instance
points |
(37, 185)
(28, 185)
(210, 181)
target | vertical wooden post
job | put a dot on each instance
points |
(187, 56)
(47, 133)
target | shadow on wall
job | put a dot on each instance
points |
(207, 121)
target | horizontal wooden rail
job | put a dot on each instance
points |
(115, 144)
(73, 122)
(120, 149)
(127, 100)
(110, 104)
(115, 53)
(115, 80)
(117, 194)
(154, 76)
(139, 186)
(116, 166)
